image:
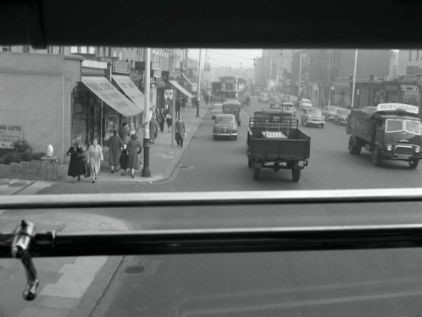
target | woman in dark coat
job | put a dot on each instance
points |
(76, 163)
(134, 148)
(124, 158)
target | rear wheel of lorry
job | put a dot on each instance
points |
(256, 172)
(413, 164)
(376, 156)
(295, 174)
(354, 147)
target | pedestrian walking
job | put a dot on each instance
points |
(115, 143)
(124, 159)
(95, 155)
(180, 131)
(124, 132)
(85, 160)
(153, 129)
(178, 106)
(76, 164)
(161, 120)
(134, 148)
(169, 121)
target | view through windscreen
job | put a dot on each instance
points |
(87, 120)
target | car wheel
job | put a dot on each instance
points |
(413, 164)
(256, 172)
(376, 157)
(295, 174)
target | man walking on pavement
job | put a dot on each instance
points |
(180, 131)
(115, 144)
(178, 106)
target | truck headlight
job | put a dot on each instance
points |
(417, 148)
(389, 147)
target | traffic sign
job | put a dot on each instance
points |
(168, 94)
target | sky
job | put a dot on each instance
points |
(235, 58)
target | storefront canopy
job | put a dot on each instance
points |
(104, 90)
(176, 85)
(187, 79)
(130, 89)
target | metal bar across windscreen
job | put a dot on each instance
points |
(211, 198)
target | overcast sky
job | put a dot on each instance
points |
(235, 58)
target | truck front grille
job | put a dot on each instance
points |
(403, 149)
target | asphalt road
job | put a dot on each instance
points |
(357, 283)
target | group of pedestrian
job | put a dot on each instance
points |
(124, 152)
(83, 161)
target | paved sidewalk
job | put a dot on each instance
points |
(69, 286)
(163, 156)
(22, 186)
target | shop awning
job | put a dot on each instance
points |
(130, 89)
(176, 85)
(105, 90)
(187, 79)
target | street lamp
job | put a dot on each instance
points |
(332, 88)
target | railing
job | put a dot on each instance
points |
(25, 243)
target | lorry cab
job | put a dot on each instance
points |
(389, 131)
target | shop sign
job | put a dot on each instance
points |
(9, 134)
(120, 67)
(94, 64)
(93, 71)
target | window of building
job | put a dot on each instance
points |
(73, 50)
(83, 49)
(91, 50)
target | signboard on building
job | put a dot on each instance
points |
(94, 64)
(120, 67)
(9, 134)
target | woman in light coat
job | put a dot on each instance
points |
(95, 156)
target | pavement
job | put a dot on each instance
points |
(164, 157)
(69, 286)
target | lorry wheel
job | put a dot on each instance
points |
(354, 146)
(249, 162)
(376, 157)
(413, 164)
(295, 174)
(256, 172)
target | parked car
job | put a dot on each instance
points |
(312, 117)
(225, 126)
(341, 116)
(217, 108)
(330, 113)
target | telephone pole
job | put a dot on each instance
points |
(146, 172)
(199, 84)
(354, 80)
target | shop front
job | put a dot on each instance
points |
(98, 107)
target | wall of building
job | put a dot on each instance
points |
(409, 62)
(35, 94)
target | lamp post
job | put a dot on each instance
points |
(199, 84)
(332, 88)
(354, 80)
(146, 172)
(300, 75)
